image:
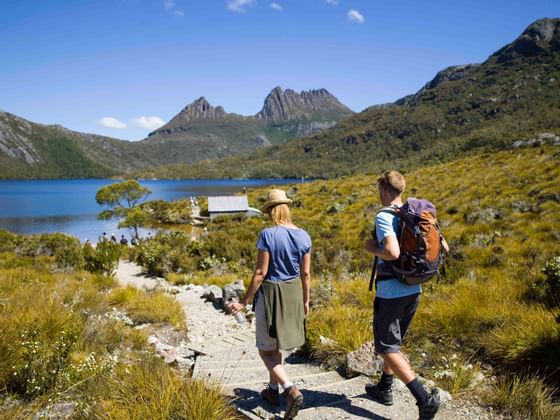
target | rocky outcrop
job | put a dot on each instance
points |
(540, 37)
(196, 111)
(288, 105)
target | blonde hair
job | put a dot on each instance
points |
(392, 181)
(280, 214)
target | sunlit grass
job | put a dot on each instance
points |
(148, 389)
(145, 307)
(524, 397)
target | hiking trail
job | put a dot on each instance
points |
(226, 355)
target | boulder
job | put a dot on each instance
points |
(213, 293)
(365, 360)
(233, 292)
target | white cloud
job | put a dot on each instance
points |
(332, 2)
(148, 123)
(276, 6)
(239, 5)
(356, 16)
(110, 122)
(171, 7)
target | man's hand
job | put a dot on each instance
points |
(371, 246)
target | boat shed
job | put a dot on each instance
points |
(224, 205)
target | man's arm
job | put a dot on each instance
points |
(390, 250)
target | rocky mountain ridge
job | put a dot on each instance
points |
(514, 95)
(281, 107)
(285, 105)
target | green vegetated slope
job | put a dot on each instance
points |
(32, 150)
(69, 345)
(499, 211)
(199, 131)
(513, 95)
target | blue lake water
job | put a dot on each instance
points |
(41, 206)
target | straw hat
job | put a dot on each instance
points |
(275, 197)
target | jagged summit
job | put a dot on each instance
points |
(200, 109)
(285, 105)
(542, 36)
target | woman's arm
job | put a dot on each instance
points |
(305, 275)
(258, 277)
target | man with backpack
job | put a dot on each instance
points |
(396, 299)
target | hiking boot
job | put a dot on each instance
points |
(295, 401)
(429, 409)
(384, 397)
(271, 395)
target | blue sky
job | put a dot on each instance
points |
(98, 65)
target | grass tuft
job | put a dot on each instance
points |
(143, 307)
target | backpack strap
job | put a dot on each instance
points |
(374, 278)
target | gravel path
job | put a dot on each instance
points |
(226, 354)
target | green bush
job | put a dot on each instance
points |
(103, 259)
(552, 271)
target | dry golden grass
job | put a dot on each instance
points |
(148, 389)
(143, 307)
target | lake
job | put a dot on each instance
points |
(41, 206)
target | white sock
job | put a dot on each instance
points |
(287, 385)
(272, 386)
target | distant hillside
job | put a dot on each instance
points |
(513, 95)
(202, 131)
(30, 150)
(199, 131)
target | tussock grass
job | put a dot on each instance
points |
(345, 328)
(532, 340)
(524, 397)
(145, 307)
(150, 390)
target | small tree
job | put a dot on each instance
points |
(120, 201)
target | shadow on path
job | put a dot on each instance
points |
(250, 400)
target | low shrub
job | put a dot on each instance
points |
(103, 259)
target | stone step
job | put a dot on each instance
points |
(303, 381)
(252, 374)
(245, 356)
(251, 405)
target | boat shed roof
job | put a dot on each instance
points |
(227, 203)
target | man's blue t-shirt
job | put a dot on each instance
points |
(286, 247)
(388, 224)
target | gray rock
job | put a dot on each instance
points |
(482, 215)
(365, 360)
(444, 396)
(233, 292)
(213, 293)
(62, 410)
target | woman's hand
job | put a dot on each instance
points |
(306, 308)
(236, 307)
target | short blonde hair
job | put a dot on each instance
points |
(392, 181)
(280, 214)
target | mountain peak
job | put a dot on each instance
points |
(285, 105)
(540, 37)
(200, 109)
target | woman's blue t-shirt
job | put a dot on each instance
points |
(286, 247)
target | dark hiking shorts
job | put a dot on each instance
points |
(391, 318)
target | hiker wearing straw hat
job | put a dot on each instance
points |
(280, 287)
